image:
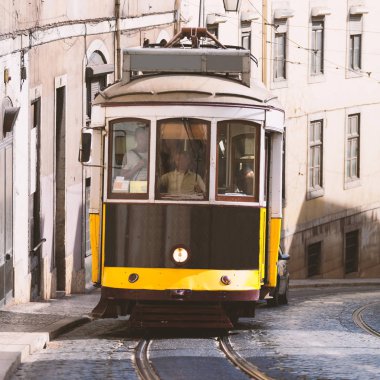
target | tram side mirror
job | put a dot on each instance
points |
(283, 255)
(85, 149)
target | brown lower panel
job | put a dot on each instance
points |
(178, 294)
(115, 302)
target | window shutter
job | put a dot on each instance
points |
(356, 24)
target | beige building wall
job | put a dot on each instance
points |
(54, 41)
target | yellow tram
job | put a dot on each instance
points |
(186, 177)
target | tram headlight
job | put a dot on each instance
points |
(180, 255)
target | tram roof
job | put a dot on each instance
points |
(187, 88)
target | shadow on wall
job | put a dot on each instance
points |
(78, 270)
(330, 241)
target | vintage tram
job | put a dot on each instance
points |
(186, 177)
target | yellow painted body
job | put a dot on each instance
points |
(195, 279)
(274, 242)
(263, 213)
(168, 278)
(94, 242)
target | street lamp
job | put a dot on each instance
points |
(232, 5)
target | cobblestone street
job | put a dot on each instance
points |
(98, 350)
(314, 337)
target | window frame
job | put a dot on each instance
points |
(157, 194)
(279, 60)
(110, 147)
(317, 24)
(314, 191)
(100, 80)
(355, 33)
(353, 64)
(246, 32)
(245, 198)
(281, 29)
(213, 29)
(349, 138)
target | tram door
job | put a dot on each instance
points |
(6, 218)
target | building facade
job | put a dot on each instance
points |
(321, 59)
(54, 57)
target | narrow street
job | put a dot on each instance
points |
(311, 338)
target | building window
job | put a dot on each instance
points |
(315, 154)
(353, 147)
(96, 77)
(317, 42)
(355, 43)
(279, 52)
(314, 259)
(351, 262)
(246, 36)
(213, 29)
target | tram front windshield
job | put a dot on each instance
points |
(182, 159)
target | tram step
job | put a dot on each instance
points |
(179, 316)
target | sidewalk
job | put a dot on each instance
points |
(307, 283)
(27, 328)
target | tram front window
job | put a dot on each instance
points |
(182, 159)
(238, 147)
(129, 157)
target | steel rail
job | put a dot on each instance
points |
(358, 319)
(244, 365)
(144, 367)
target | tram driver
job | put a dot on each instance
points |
(134, 165)
(182, 180)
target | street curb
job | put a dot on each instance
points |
(64, 325)
(332, 284)
(10, 361)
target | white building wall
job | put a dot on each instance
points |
(339, 92)
(330, 97)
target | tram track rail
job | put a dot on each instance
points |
(146, 370)
(244, 365)
(144, 367)
(357, 317)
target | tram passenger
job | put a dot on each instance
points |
(182, 180)
(134, 166)
(245, 180)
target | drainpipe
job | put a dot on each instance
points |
(117, 41)
(177, 8)
(264, 60)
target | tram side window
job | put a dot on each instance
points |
(129, 157)
(182, 159)
(238, 148)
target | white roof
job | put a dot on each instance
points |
(193, 88)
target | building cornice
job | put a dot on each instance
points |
(25, 39)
